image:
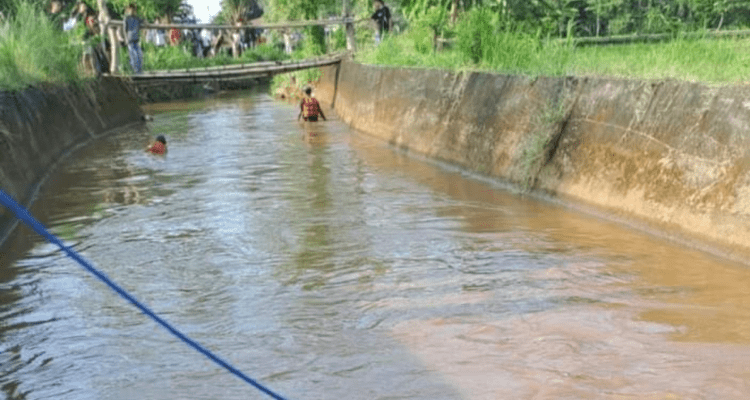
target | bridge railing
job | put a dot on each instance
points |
(112, 25)
(235, 72)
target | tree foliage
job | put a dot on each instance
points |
(597, 17)
(294, 10)
(150, 9)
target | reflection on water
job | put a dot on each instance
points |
(330, 266)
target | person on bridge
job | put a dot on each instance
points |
(309, 108)
(159, 146)
(132, 27)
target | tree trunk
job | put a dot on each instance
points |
(597, 25)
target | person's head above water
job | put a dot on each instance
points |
(161, 139)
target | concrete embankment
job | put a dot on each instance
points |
(40, 125)
(666, 155)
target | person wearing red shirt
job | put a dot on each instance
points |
(174, 36)
(159, 146)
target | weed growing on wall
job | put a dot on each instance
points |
(546, 129)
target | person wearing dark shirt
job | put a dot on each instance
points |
(382, 18)
(132, 28)
(309, 108)
(159, 146)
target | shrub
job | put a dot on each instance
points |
(33, 50)
(474, 34)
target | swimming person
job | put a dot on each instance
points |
(159, 146)
(309, 108)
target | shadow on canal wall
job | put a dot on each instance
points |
(664, 155)
(170, 91)
(38, 126)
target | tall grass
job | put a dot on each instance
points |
(33, 50)
(485, 43)
(705, 60)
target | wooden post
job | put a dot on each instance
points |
(351, 43)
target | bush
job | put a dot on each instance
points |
(338, 39)
(474, 34)
(423, 39)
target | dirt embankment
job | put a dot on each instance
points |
(40, 125)
(668, 155)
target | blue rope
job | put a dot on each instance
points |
(26, 217)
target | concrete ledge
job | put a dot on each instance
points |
(666, 155)
(40, 125)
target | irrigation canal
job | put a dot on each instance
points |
(334, 267)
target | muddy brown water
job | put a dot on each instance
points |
(332, 266)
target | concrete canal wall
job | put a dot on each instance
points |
(40, 125)
(665, 155)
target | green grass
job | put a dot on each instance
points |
(704, 60)
(33, 50)
(179, 57)
(725, 61)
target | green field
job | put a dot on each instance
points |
(722, 61)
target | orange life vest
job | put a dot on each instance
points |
(310, 107)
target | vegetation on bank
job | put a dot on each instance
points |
(725, 60)
(32, 50)
(180, 57)
(513, 36)
(535, 38)
(482, 39)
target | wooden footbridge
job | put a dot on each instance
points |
(231, 72)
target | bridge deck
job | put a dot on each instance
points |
(233, 71)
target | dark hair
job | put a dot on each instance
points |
(161, 138)
(308, 91)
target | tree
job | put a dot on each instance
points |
(295, 10)
(149, 9)
(234, 11)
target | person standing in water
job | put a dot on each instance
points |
(309, 108)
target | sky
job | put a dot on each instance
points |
(205, 9)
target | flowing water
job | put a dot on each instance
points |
(329, 266)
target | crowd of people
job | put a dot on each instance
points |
(201, 42)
